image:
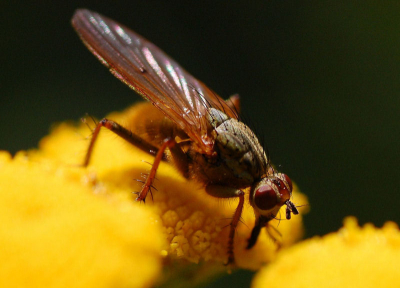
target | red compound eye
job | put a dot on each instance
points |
(265, 197)
(288, 181)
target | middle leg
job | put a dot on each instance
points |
(229, 192)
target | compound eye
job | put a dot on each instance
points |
(288, 181)
(265, 197)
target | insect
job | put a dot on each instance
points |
(193, 128)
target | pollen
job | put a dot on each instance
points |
(170, 218)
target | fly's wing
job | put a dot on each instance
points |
(153, 74)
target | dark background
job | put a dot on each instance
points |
(321, 82)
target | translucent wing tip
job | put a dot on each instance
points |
(81, 16)
(79, 13)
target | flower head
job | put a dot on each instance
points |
(84, 223)
(352, 257)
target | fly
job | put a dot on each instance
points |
(193, 129)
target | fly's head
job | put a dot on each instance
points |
(270, 193)
(267, 196)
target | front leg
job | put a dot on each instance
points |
(229, 192)
(122, 132)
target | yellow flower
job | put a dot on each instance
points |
(55, 232)
(352, 257)
(65, 225)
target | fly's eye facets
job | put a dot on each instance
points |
(265, 197)
(288, 181)
(278, 182)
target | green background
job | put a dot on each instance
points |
(319, 80)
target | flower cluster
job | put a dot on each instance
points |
(66, 225)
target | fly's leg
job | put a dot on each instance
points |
(121, 132)
(142, 144)
(260, 223)
(168, 143)
(229, 192)
(234, 223)
(271, 229)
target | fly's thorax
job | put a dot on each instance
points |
(269, 194)
(238, 147)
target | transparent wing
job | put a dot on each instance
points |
(153, 74)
